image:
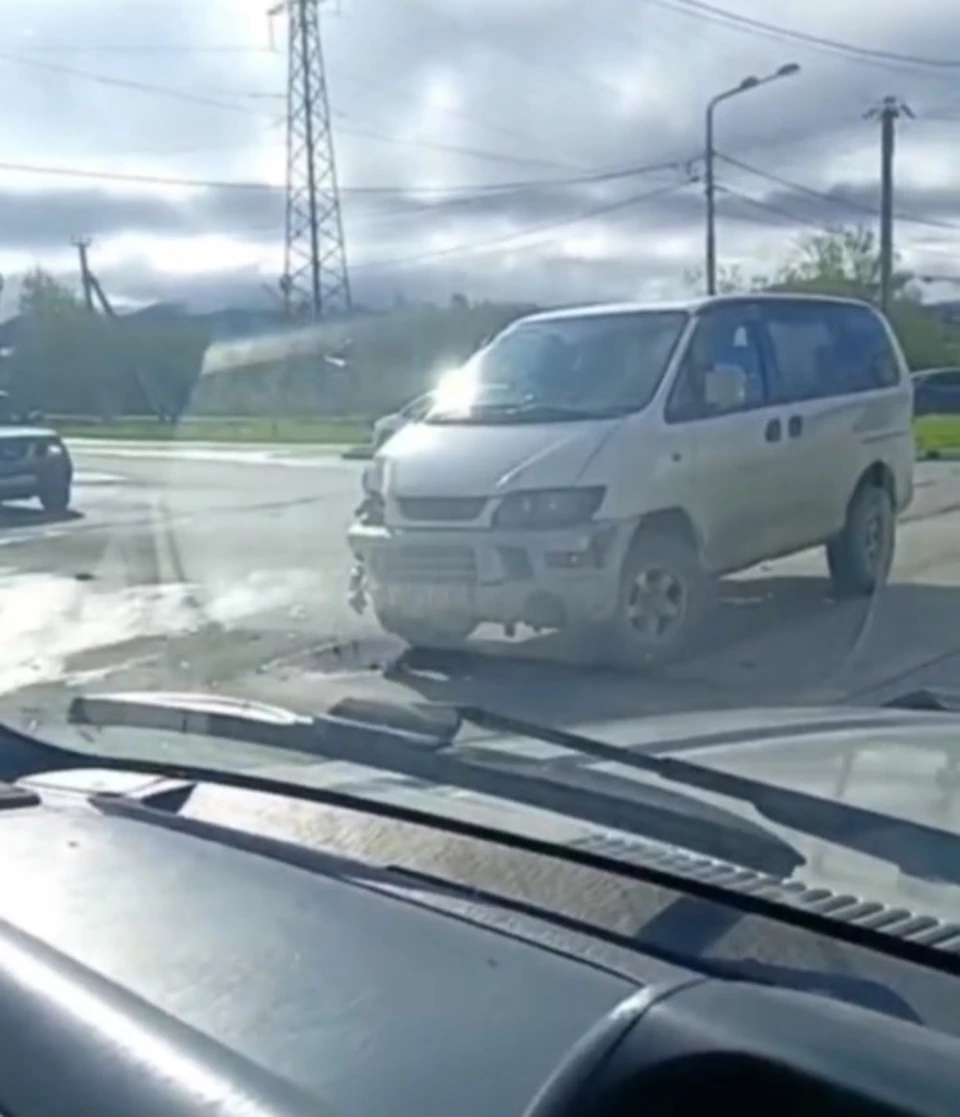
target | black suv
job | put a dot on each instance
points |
(33, 460)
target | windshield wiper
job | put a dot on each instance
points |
(919, 850)
(391, 737)
(412, 742)
(419, 742)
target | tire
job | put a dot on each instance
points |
(678, 592)
(859, 558)
(420, 634)
(55, 496)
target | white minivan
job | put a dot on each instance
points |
(597, 469)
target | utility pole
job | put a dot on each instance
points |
(92, 290)
(82, 244)
(888, 112)
(315, 278)
(709, 180)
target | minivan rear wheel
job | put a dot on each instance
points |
(859, 558)
(664, 597)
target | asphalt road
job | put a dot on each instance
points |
(227, 570)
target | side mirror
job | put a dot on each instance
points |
(725, 387)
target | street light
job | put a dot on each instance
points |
(752, 82)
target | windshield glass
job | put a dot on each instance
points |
(673, 462)
(592, 364)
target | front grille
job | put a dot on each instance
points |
(441, 509)
(14, 449)
(425, 563)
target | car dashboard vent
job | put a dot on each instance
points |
(897, 922)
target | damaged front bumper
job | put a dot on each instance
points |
(547, 579)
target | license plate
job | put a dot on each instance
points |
(16, 481)
(426, 601)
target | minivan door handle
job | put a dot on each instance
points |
(774, 431)
(795, 426)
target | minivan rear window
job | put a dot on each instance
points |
(563, 368)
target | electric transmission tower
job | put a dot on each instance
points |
(315, 281)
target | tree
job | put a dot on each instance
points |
(730, 280)
(44, 296)
(842, 261)
(847, 262)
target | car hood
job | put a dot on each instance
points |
(890, 761)
(26, 432)
(439, 459)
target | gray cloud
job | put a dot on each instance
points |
(536, 90)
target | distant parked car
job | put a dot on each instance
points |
(936, 391)
(33, 460)
(387, 426)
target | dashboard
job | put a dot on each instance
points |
(154, 964)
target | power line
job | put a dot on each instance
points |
(468, 190)
(488, 125)
(145, 48)
(127, 84)
(713, 13)
(835, 199)
(250, 110)
(502, 46)
(768, 207)
(500, 243)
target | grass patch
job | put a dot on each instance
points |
(253, 430)
(938, 434)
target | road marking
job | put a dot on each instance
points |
(293, 457)
(92, 477)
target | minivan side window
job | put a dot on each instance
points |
(822, 349)
(722, 337)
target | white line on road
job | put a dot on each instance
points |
(295, 457)
(92, 477)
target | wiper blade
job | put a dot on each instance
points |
(919, 850)
(412, 742)
(935, 700)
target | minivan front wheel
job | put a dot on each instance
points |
(664, 596)
(859, 558)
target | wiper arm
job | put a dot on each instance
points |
(365, 737)
(414, 747)
(919, 850)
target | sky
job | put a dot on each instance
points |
(534, 150)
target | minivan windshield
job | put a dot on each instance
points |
(552, 369)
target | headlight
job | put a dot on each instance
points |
(55, 449)
(547, 508)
